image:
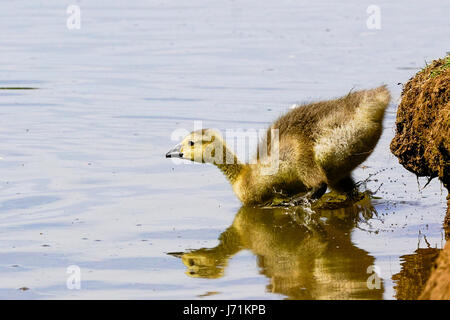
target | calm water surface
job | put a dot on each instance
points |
(84, 181)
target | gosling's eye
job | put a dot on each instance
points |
(191, 143)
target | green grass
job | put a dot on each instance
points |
(438, 70)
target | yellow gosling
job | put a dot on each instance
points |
(318, 146)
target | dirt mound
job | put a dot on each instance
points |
(422, 140)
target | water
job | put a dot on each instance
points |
(84, 181)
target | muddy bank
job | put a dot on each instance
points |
(422, 140)
(416, 269)
(422, 145)
(438, 285)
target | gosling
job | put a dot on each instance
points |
(318, 146)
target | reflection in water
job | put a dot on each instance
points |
(304, 254)
(415, 271)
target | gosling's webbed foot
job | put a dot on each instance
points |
(317, 192)
(308, 198)
(301, 201)
(297, 201)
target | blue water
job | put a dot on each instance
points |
(84, 181)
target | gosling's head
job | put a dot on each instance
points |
(205, 146)
(204, 263)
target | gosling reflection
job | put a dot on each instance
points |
(304, 254)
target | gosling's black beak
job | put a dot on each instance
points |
(176, 254)
(175, 152)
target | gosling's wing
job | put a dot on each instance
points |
(345, 139)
